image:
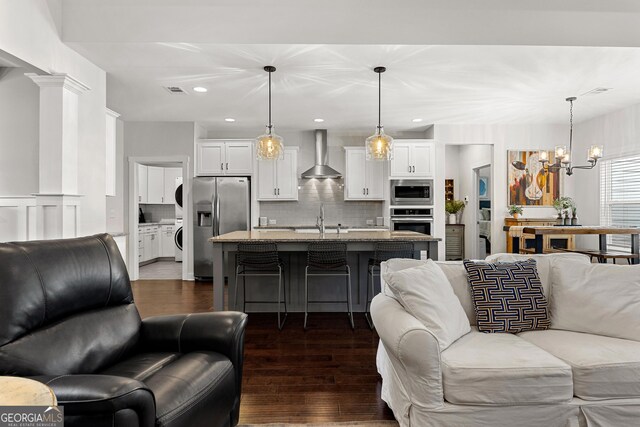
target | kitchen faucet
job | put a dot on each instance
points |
(320, 220)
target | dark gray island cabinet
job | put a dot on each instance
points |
(292, 248)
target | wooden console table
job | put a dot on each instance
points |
(602, 232)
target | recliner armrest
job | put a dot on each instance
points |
(102, 395)
(221, 332)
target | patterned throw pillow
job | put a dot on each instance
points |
(508, 297)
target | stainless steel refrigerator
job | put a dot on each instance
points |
(220, 205)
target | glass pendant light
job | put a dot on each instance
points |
(269, 146)
(379, 145)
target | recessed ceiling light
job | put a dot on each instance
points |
(318, 120)
(230, 120)
(200, 89)
(416, 120)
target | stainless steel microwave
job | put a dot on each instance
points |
(411, 192)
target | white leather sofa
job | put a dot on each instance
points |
(563, 378)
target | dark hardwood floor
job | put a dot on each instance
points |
(325, 374)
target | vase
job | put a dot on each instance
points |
(560, 220)
(574, 220)
(515, 215)
(567, 221)
(453, 219)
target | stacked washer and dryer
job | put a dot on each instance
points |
(178, 235)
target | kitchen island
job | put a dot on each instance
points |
(292, 247)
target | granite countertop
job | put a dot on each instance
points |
(330, 226)
(145, 224)
(116, 234)
(292, 236)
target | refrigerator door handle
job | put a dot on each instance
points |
(217, 218)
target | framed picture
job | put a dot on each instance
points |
(530, 184)
(483, 188)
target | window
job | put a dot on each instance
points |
(620, 196)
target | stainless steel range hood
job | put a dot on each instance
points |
(321, 169)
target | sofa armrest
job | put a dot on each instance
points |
(221, 332)
(413, 351)
(86, 397)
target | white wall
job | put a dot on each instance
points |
(115, 204)
(619, 132)
(154, 139)
(29, 31)
(19, 124)
(505, 137)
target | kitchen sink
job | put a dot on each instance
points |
(316, 231)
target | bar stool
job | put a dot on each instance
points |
(327, 259)
(383, 251)
(260, 259)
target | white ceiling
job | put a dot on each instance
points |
(440, 84)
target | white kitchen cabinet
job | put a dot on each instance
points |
(215, 157)
(142, 184)
(155, 185)
(167, 244)
(170, 176)
(364, 180)
(278, 179)
(148, 242)
(412, 159)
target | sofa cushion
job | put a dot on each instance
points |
(503, 369)
(455, 272)
(543, 263)
(596, 298)
(603, 367)
(507, 297)
(426, 294)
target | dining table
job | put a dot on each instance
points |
(601, 231)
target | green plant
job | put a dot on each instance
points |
(453, 206)
(515, 209)
(564, 203)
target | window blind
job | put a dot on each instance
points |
(620, 196)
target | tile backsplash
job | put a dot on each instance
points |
(155, 213)
(313, 192)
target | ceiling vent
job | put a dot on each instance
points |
(597, 91)
(176, 90)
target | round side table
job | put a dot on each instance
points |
(15, 391)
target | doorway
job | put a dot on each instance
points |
(482, 211)
(156, 216)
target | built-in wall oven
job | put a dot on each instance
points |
(411, 192)
(419, 220)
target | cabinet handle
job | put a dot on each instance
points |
(275, 193)
(364, 192)
(221, 166)
(414, 169)
(139, 198)
(162, 198)
(367, 191)
(409, 169)
(278, 191)
(227, 166)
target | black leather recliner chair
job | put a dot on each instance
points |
(68, 319)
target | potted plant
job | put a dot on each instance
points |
(454, 208)
(565, 206)
(515, 211)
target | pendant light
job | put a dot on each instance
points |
(563, 155)
(269, 146)
(379, 145)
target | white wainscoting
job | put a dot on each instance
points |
(17, 218)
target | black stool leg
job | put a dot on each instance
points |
(370, 286)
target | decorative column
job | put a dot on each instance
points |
(58, 202)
